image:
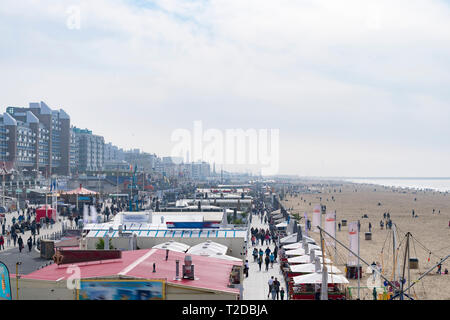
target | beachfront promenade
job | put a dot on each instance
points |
(255, 286)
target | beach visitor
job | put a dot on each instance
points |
(272, 258)
(2, 242)
(274, 293)
(282, 294)
(370, 227)
(255, 254)
(20, 243)
(267, 261)
(260, 262)
(276, 286)
(270, 283)
(30, 244)
(339, 226)
(246, 267)
(8, 238)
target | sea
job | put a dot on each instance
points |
(438, 184)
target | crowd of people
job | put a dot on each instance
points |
(13, 233)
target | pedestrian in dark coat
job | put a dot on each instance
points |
(30, 244)
(20, 243)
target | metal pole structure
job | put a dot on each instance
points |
(359, 265)
(3, 188)
(404, 266)
(364, 261)
(335, 232)
(409, 266)
(431, 269)
(322, 291)
(17, 278)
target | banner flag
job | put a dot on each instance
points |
(353, 238)
(316, 219)
(330, 227)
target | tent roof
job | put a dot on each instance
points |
(172, 246)
(311, 268)
(317, 278)
(282, 225)
(292, 238)
(305, 259)
(295, 252)
(275, 212)
(278, 216)
(301, 252)
(208, 248)
(80, 190)
(43, 208)
(299, 245)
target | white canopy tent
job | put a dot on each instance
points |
(301, 252)
(282, 225)
(278, 216)
(316, 278)
(292, 238)
(306, 259)
(311, 268)
(208, 248)
(273, 213)
(172, 246)
(225, 257)
(299, 245)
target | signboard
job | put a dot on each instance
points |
(121, 290)
(137, 218)
(5, 289)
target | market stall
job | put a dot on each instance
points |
(45, 211)
(308, 286)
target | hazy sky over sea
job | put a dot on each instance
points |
(357, 88)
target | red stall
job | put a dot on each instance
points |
(44, 211)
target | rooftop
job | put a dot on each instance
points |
(211, 273)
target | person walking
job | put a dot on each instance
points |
(276, 286)
(2, 242)
(267, 261)
(8, 238)
(270, 283)
(275, 253)
(267, 251)
(255, 254)
(246, 267)
(30, 244)
(274, 293)
(272, 258)
(20, 243)
(260, 262)
(282, 293)
(370, 227)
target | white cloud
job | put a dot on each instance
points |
(360, 70)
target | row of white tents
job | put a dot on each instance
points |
(305, 256)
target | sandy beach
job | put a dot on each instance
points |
(353, 201)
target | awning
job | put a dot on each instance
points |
(316, 278)
(311, 268)
(305, 259)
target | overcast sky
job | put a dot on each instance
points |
(356, 88)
